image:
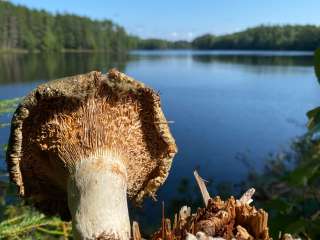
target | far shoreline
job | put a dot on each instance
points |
(258, 52)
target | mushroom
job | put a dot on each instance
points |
(80, 145)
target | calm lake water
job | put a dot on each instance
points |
(231, 109)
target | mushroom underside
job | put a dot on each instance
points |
(70, 119)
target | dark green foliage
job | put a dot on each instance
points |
(181, 45)
(287, 37)
(203, 42)
(276, 37)
(314, 118)
(18, 221)
(34, 30)
(289, 189)
(152, 44)
(317, 63)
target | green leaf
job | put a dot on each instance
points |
(278, 224)
(5, 147)
(302, 174)
(317, 63)
(314, 118)
(297, 227)
(278, 205)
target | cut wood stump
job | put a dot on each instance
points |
(230, 219)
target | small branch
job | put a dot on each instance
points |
(163, 221)
(203, 189)
(136, 231)
(65, 231)
(50, 232)
(12, 220)
(247, 196)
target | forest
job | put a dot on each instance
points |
(264, 37)
(25, 29)
(37, 30)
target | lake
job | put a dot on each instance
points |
(231, 109)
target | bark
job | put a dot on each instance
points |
(230, 219)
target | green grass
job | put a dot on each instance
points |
(25, 222)
(8, 105)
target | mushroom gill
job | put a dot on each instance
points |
(84, 142)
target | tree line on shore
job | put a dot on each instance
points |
(263, 37)
(39, 30)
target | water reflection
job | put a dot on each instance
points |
(19, 68)
(262, 63)
(256, 60)
(282, 58)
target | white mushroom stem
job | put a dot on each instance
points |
(97, 198)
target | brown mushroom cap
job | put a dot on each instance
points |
(67, 119)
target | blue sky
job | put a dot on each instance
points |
(186, 19)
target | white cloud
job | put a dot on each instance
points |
(190, 35)
(174, 34)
